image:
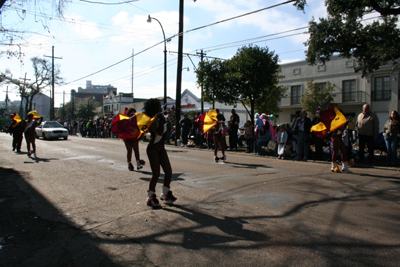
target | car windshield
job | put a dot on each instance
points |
(52, 124)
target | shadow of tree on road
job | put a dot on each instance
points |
(33, 240)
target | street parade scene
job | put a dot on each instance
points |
(248, 157)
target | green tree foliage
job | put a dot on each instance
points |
(343, 32)
(80, 108)
(250, 76)
(314, 95)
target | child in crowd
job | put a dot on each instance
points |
(282, 139)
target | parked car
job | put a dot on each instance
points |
(51, 130)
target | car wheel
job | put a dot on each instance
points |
(65, 138)
(44, 137)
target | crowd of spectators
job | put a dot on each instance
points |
(261, 137)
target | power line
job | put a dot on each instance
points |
(240, 16)
(102, 3)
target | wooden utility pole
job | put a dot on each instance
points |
(52, 83)
(179, 76)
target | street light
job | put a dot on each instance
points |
(165, 61)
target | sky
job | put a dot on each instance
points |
(96, 40)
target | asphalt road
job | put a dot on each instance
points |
(78, 205)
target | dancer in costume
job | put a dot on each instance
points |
(133, 144)
(218, 137)
(30, 133)
(158, 155)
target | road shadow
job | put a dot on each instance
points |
(29, 239)
(246, 166)
(175, 177)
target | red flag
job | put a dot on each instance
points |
(131, 127)
(125, 127)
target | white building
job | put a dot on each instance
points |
(379, 89)
(113, 103)
(190, 102)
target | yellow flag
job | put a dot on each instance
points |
(16, 119)
(207, 121)
(338, 121)
(144, 122)
(35, 114)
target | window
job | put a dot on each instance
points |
(382, 88)
(295, 94)
(349, 90)
(322, 87)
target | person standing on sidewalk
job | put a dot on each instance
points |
(367, 127)
(186, 125)
(391, 132)
(233, 128)
(158, 155)
(302, 132)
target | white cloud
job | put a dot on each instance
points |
(87, 29)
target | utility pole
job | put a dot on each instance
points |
(6, 110)
(52, 83)
(133, 58)
(202, 103)
(21, 108)
(179, 75)
(63, 112)
(73, 104)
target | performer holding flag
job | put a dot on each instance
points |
(16, 129)
(158, 155)
(33, 121)
(133, 143)
(214, 120)
(333, 123)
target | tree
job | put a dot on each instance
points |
(11, 35)
(250, 76)
(80, 108)
(345, 33)
(42, 79)
(316, 95)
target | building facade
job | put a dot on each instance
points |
(96, 91)
(114, 104)
(380, 89)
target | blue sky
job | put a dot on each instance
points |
(92, 37)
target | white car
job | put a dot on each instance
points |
(51, 130)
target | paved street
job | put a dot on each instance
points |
(78, 205)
